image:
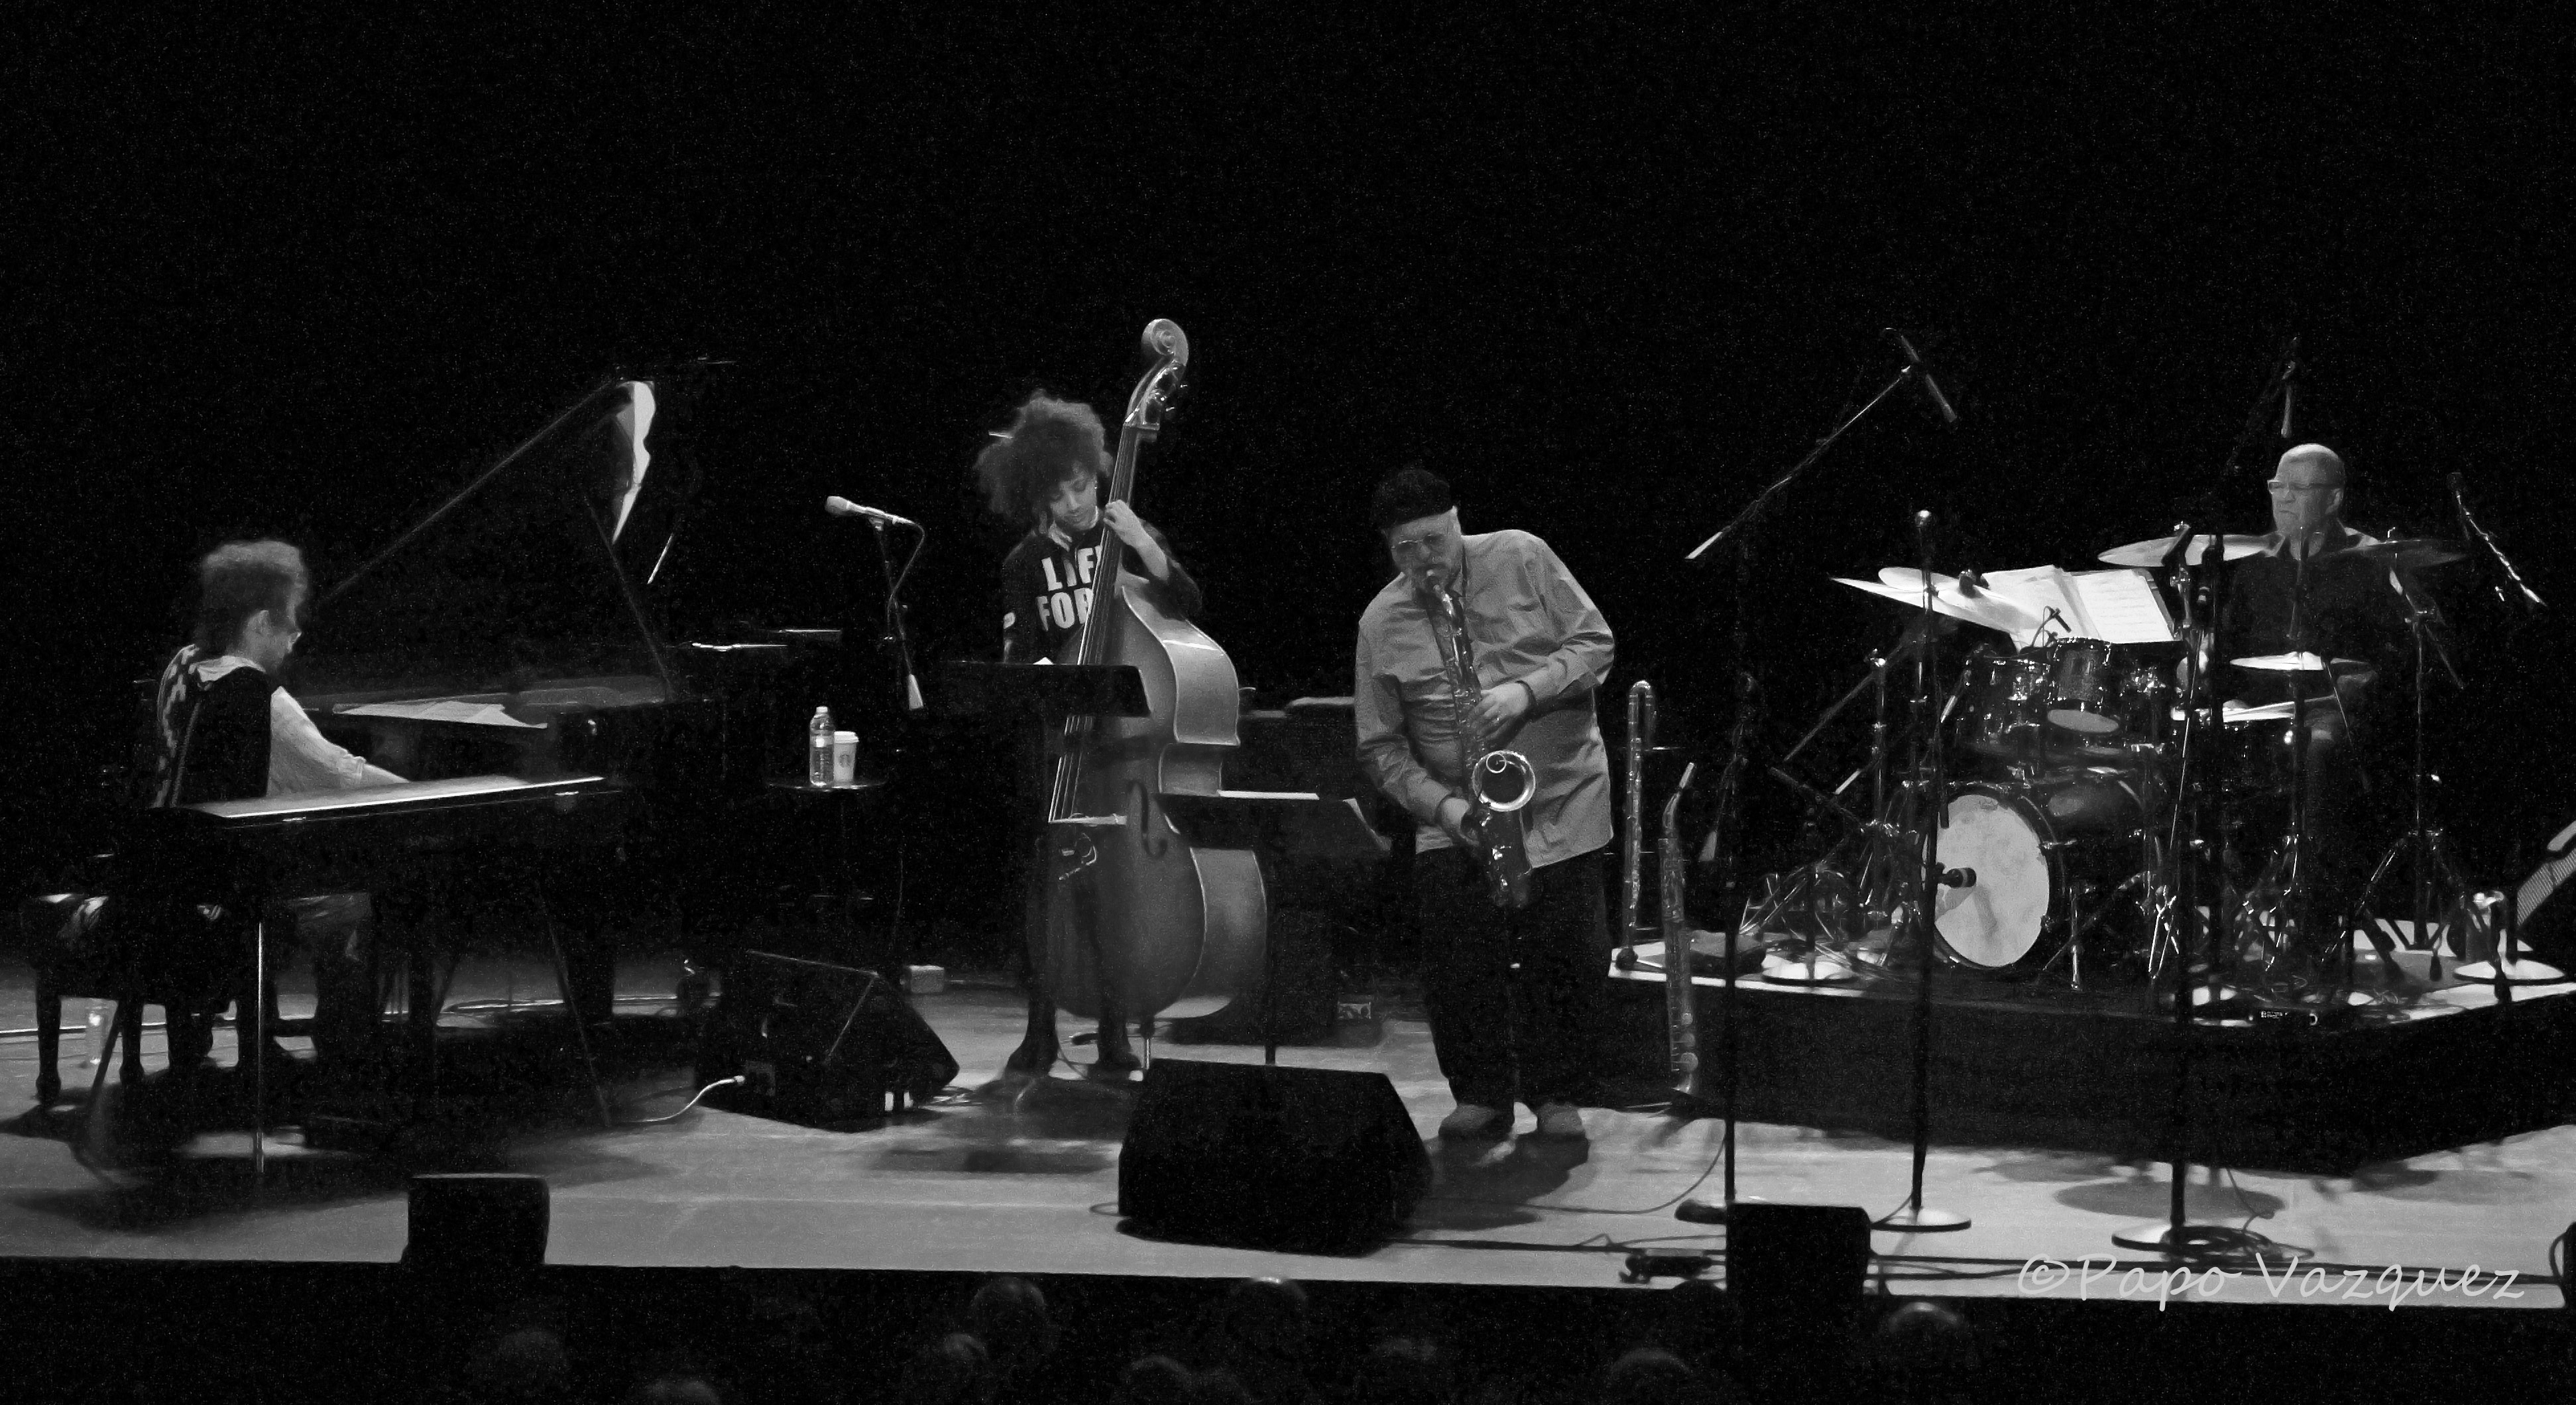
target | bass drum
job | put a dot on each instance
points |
(2037, 849)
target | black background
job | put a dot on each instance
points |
(1610, 276)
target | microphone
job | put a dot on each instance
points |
(843, 507)
(1923, 373)
(2289, 384)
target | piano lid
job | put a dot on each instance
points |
(515, 581)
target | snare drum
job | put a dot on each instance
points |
(2083, 687)
(2031, 846)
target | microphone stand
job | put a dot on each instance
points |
(908, 687)
(2195, 859)
(1739, 533)
(2525, 602)
(907, 704)
(1914, 1217)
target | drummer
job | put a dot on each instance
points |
(2308, 591)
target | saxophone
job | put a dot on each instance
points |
(1499, 783)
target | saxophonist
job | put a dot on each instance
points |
(1511, 990)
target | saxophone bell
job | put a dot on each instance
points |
(1502, 781)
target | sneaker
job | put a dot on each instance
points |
(1562, 1121)
(1475, 1121)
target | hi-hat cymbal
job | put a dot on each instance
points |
(2411, 553)
(1974, 604)
(2153, 552)
(2294, 663)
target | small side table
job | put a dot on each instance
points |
(835, 820)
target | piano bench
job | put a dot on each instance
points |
(78, 949)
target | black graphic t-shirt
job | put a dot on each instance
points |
(1046, 590)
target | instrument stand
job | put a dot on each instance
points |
(2287, 923)
(2423, 839)
(1914, 1217)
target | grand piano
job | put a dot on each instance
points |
(509, 655)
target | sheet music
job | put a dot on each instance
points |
(440, 710)
(2121, 607)
(2041, 589)
(2118, 606)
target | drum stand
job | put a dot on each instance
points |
(1914, 1217)
(2287, 924)
(2432, 858)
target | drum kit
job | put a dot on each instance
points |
(2064, 770)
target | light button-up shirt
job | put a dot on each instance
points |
(1528, 623)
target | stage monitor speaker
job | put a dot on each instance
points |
(818, 1042)
(1268, 1157)
(477, 1224)
(1797, 1266)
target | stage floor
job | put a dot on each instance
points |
(1030, 1185)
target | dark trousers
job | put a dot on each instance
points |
(1512, 996)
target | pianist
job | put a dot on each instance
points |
(227, 731)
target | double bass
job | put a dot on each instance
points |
(1139, 923)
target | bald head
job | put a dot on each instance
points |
(2307, 496)
(2325, 464)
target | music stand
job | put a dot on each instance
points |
(1275, 826)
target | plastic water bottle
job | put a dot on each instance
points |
(97, 1032)
(818, 748)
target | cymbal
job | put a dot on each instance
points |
(1949, 597)
(2153, 552)
(2411, 553)
(2293, 663)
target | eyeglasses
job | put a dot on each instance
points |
(2278, 487)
